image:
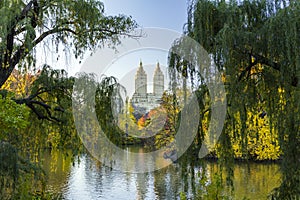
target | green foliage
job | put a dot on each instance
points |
(107, 99)
(26, 132)
(13, 117)
(260, 68)
(78, 26)
(17, 174)
(182, 196)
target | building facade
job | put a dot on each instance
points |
(141, 98)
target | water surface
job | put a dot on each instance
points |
(86, 179)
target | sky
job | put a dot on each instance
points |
(171, 14)
(167, 14)
(150, 50)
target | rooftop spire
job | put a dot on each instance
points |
(141, 70)
(157, 69)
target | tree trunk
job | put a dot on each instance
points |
(4, 74)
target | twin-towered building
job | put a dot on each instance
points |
(141, 98)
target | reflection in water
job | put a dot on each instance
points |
(57, 166)
(87, 179)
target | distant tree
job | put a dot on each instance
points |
(169, 109)
(108, 90)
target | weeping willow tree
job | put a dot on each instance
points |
(75, 26)
(108, 105)
(255, 45)
(32, 121)
(26, 26)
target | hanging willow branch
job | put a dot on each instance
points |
(256, 46)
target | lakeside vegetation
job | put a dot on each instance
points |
(259, 63)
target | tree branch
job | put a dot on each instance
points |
(266, 61)
(258, 59)
(31, 104)
(52, 31)
(248, 68)
(10, 44)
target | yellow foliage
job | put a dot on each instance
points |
(259, 141)
(262, 142)
(19, 83)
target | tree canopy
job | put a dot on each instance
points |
(32, 97)
(255, 45)
(76, 26)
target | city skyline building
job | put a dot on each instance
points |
(141, 97)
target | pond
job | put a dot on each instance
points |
(87, 179)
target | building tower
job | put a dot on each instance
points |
(158, 82)
(141, 81)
